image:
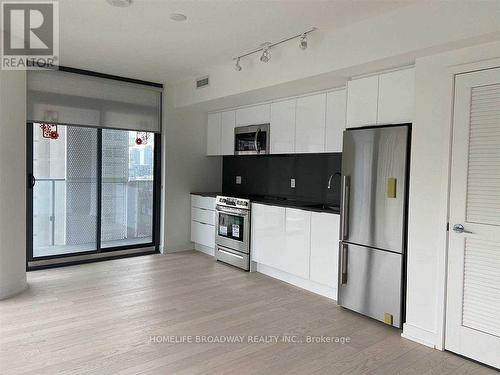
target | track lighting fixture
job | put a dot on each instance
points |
(303, 41)
(266, 48)
(237, 66)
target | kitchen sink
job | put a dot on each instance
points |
(322, 206)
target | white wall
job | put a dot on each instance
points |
(429, 187)
(393, 39)
(12, 182)
(187, 169)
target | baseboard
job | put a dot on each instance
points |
(13, 289)
(171, 250)
(297, 281)
(311, 286)
(204, 249)
(420, 335)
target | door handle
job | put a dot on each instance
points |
(228, 253)
(343, 263)
(31, 181)
(459, 228)
(346, 182)
(256, 141)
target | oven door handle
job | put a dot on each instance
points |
(230, 253)
(228, 210)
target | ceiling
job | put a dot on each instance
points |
(142, 42)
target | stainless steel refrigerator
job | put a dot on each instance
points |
(373, 222)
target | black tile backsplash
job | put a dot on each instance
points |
(269, 175)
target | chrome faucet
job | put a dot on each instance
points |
(330, 179)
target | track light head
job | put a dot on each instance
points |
(303, 42)
(266, 56)
(266, 53)
(237, 66)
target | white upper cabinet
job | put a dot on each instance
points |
(214, 143)
(362, 96)
(255, 115)
(315, 123)
(324, 248)
(335, 120)
(396, 96)
(310, 123)
(387, 98)
(283, 127)
(227, 121)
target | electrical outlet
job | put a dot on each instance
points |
(238, 180)
(292, 183)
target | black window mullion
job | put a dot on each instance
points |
(156, 190)
(29, 193)
(99, 190)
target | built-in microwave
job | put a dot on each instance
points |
(253, 139)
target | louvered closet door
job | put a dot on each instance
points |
(473, 298)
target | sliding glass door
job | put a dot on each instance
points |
(92, 190)
(127, 189)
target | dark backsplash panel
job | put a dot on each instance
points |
(269, 175)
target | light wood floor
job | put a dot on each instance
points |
(99, 319)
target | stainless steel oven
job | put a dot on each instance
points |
(253, 139)
(232, 231)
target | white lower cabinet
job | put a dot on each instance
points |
(297, 242)
(324, 248)
(203, 223)
(203, 234)
(297, 246)
(206, 203)
(203, 215)
(268, 234)
(280, 238)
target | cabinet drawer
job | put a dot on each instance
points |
(203, 215)
(207, 203)
(203, 234)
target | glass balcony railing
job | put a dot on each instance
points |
(65, 215)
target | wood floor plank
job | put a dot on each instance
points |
(104, 318)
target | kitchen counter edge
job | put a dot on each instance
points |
(276, 203)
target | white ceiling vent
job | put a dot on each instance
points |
(202, 82)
